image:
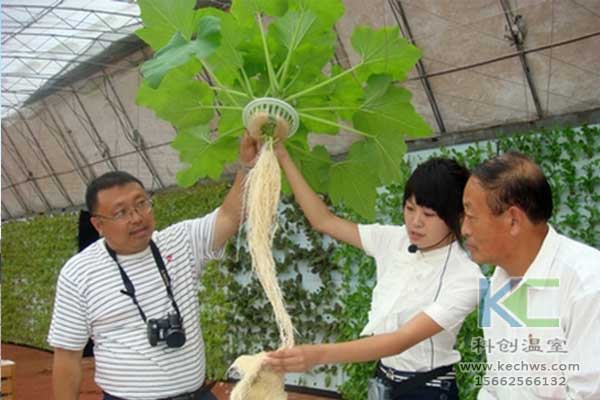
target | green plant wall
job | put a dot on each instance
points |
(327, 286)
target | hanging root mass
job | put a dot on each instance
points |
(261, 197)
(262, 188)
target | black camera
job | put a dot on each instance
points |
(169, 329)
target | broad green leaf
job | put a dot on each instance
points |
(389, 111)
(316, 168)
(226, 60)
(247, 14)
(377, 86)
(179, 50)
(314, 163)
(384, 153)
(293, 28)
(316, 106)
(162, 18)
(347, 94)
(205, 154)
(353, 182)
(302, 73)
(245, 10)
(182, 102)
(328, 12)
(230, 121)
(384, 51)
(301, 37)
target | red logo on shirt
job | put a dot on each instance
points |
(170, 258)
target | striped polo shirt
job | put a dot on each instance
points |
(89, 303)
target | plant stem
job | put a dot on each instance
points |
(324, 83)
(229, 132)
(216, 80)
(226, 90)
(292, 81)
(284, 68)
(247, 81)
(220, 107)
(328, 109)
(327, 122)
(272, 80)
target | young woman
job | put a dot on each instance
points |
(426, 286)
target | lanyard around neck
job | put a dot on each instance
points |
(130, 289)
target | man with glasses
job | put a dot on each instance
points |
(134, 292)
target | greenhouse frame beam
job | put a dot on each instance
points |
(119, 50)
(404, 26)
(518, 41)
(35, 19)
(136, 140)
(509, 55)
(93, 163)
(56, 35)
(67, 147)
(58, 7)
(10, 216)
(48, 166)
(341, 55)
(54, 28)
(69, 61)
(572, 119)
(55, 132)
(90, 174)
(16, 192)
(102, 147)
(20, 160)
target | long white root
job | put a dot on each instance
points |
(262, 188)
(257, 383)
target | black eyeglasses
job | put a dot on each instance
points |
(141, 207)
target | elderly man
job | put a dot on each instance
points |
(134, 292)
(541, 314)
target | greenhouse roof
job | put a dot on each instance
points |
(43, 41)
(70, 74)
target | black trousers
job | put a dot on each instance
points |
(447, 391)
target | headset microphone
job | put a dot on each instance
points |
(413, 247)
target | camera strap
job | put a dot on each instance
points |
(130, 289)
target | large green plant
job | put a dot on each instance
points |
(282, 49)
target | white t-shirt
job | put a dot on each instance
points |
(548, 362)
(89, 303)
(410, 283)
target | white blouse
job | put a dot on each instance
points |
(443, 283)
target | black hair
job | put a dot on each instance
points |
(512, 179)
(438, 184)
(86, 233)
(107, 181)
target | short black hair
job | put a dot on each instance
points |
(512, 179)
(86, 232)
(439, 184)
(107, 181)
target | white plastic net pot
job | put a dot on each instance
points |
(274, 108)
